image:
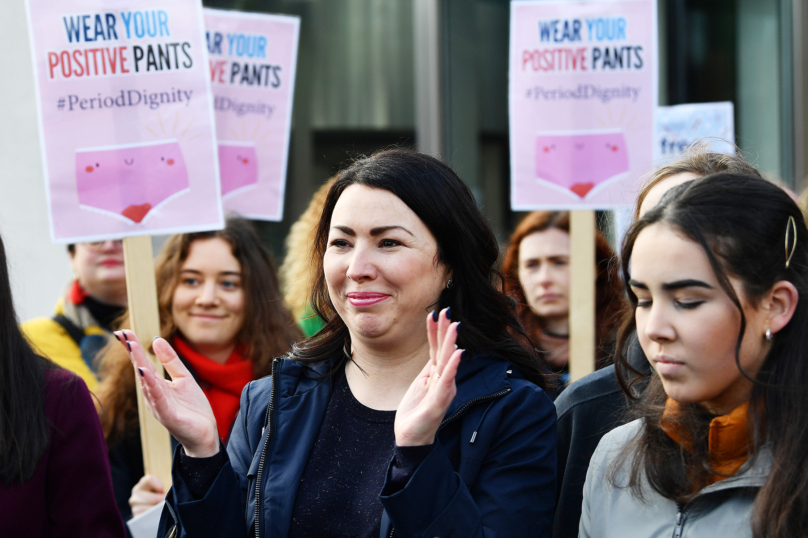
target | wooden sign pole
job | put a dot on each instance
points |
(144, 315)
(582, 293)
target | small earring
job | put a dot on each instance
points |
(449, 284)
(769, 336)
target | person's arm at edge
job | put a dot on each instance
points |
(78, 462)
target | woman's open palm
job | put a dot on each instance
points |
(424, 405)
(179, 404)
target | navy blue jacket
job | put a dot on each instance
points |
(491, 473)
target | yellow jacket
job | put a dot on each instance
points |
(50, 340)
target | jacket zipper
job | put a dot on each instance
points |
(457, 414)
(260, 473)
(680, 521)
(472, 402)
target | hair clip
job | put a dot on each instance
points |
(791, 225)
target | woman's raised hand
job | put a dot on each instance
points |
(425, 403)
(179, 404)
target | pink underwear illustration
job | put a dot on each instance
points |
(131, 180)
(238, 166)
(581, 160)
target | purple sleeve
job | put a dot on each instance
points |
(78, 495)
(406, 462)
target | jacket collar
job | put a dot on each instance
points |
(753, 474)
(478, 376)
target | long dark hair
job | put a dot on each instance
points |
(23, 426)
(268, 331)
(741, 223)
(466, 245)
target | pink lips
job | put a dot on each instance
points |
(367, 298)
(667, 366)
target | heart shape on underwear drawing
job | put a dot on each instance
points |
(581, 189)
(136, 212)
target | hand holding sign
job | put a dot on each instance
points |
(179, 404)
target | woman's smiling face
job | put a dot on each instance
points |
(381, 267)
(688, 326)
(208, 302)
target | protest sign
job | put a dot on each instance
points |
(252, 72)
(583, 90)
(678, 126)
(582, 95)
(126, 118)
(128, 145)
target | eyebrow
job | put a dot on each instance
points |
(226, 273)
(375, 231)
(671, 286)
(548, 258)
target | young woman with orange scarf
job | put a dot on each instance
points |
(221, 309)
(717, 274)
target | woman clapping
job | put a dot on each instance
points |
(414, 412)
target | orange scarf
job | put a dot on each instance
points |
(728, 442)
(221, 383)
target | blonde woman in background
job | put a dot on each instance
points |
(297, 272)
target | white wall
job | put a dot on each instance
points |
(39, 269)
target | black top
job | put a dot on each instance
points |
(587, 410)
(339, 490)
(105, 314)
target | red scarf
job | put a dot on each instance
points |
(76, 293)
(221, 383)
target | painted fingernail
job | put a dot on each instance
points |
(155, 338)
(124, 335)
(140, 371)
(448, 312)
(434, 315)
(129, 345)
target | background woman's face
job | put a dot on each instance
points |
(208, 303)
(381, 267)
(687, 324)
(100, 270)
(544, 272)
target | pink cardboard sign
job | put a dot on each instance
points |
(252, 71)
(583, 90)
(126, 118)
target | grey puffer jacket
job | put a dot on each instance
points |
(721, 509)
